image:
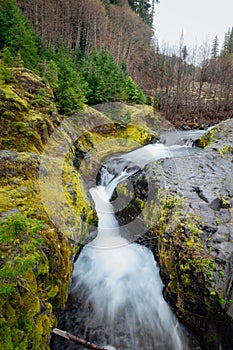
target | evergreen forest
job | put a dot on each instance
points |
(94, 51)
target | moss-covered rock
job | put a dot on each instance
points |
(47, 163)
(32, 287)
(189, 271)
(191, 222)
(218, 137)
(25, 124)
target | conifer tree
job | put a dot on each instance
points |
(50, 74)
(106, 81)
(17, 35)
(69, 86)
(214, 49)
(228, 43)
(145, 9)
(134, 94)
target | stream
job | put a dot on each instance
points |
(116, 294)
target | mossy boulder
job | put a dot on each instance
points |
(25, 124)
(35, 271)
(218, 137)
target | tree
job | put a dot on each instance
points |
(70, 87)
(228, 43)
(214, 49)
(134, 94)
(106, 81)
(50, 74)
(17, 35)
(145, 9)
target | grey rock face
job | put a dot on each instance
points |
(204, 178)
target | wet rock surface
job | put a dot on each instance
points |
(102, 334)
(203, 177)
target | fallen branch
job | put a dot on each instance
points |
(86, 344)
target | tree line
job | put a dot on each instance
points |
(195, 83)
(115, 26)
(76, 76)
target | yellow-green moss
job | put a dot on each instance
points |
(205, 140)
(28, 302)
(25, 112)
(12, 100)
(226, 149)
(181, 251)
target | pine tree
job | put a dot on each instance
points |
(17, 35)
(214, 49)
(106, 81)
(69, 86)
(50, 74)
(228, 43)
(134, 94)
(144, 8)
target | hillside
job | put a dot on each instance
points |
(85, 24)
(186, 93)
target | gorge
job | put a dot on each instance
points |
(107, 277)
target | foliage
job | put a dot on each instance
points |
(6, 75)
(145, 9)
(50, 74)
(106, 81)
(133, 94)
(68, 84)
(19, 234)
(228, 43)
(17, 35)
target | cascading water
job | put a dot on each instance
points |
(119, 282)
(116, 292)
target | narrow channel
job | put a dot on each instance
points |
(116, 286)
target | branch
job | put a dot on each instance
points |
(86, 344)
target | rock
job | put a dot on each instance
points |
(194, 244)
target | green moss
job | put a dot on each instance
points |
(12, 100)
(181, 251)
(205, 140)
(226, 149)
(25, 286)
(25, 112)
(41, 98)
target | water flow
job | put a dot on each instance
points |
(119, 283)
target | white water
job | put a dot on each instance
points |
(120, 282)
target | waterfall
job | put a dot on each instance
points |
(119, 282)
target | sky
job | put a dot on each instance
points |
(200, 21)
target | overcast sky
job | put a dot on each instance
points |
(200, 20)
